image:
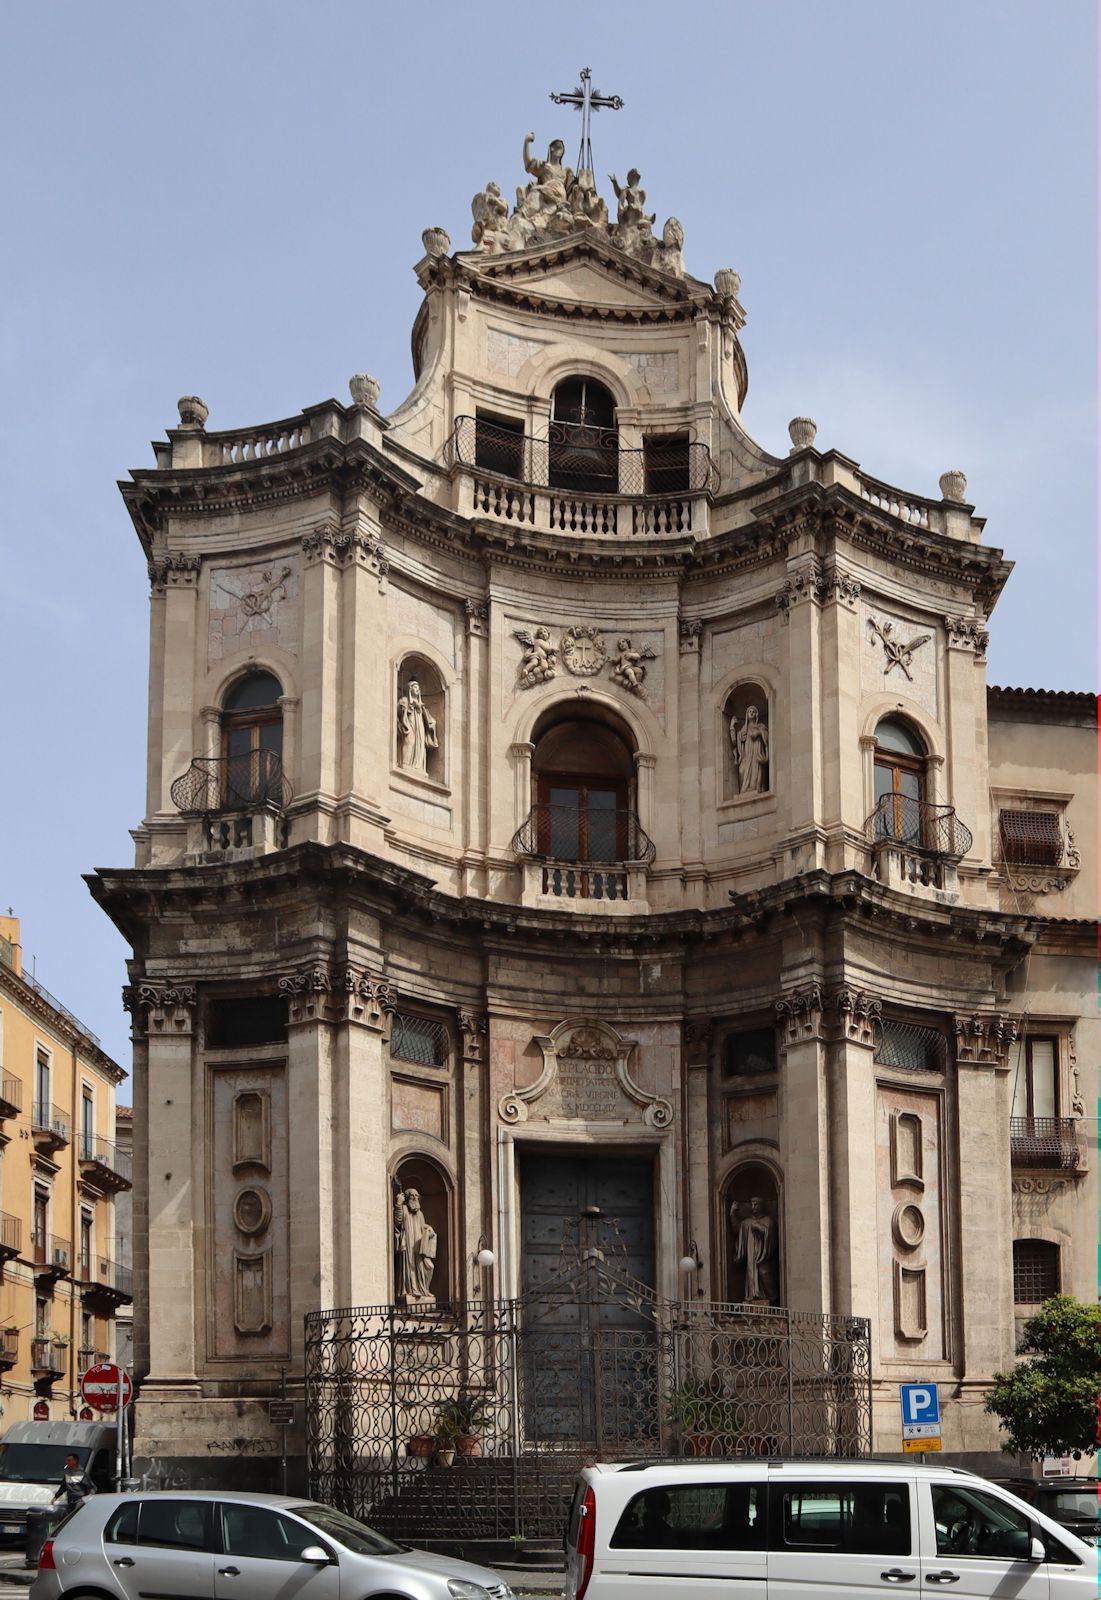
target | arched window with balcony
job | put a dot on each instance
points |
(584, 438)
(583, 822)
(900, 783)
(252, 743)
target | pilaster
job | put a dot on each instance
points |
(699, 1042)
(852, 1016)
(362, 1001)
(476, 1199)
(805, 1148)
(695, 776)
(175, 585)
(984, 1286)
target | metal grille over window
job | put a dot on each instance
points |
(1035, 1271)
(1031, 838)
(418, 1039)
(903, 1044)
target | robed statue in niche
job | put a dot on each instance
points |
(754, 1249)
(749, 750)
(416, 730)
(414, 1250)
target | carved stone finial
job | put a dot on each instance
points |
(802, 432)
(728, 282)
(436, 241)
(365, 390)
(953, 486)
(193, 411)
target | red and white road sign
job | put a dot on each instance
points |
(99, 1387)
(86, 1414)
(41, 1411)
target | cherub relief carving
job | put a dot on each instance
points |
(539, 662)
(627, 666)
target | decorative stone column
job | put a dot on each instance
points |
(965, 696)
(984, 1270)
(175, 585)
(475, 746)
(696, 1139)
(800, 600)
(644, 789)
(313, 1112)
(361, 1002)
(471, 1096)
(697, 767)
(805, 1148)
(172, 1175)
(852, 1015)
(321, 638)
(289, 705)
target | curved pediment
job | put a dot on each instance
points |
(583, 272)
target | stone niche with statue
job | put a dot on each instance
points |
(751, 1210)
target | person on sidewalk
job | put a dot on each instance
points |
(75, 1486)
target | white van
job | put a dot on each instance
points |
(790, 1530)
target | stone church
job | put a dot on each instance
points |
(565, 814)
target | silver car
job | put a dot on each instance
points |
(241, 1547)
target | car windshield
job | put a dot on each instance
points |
(36, 1463)
(353, 1535)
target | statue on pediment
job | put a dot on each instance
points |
(490, 210)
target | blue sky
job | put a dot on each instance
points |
(227, 199)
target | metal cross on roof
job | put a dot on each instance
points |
(587, 100)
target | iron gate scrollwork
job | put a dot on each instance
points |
(468, 1422)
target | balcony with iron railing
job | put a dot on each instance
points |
(51, 1256)
(577, 854)
(235, 803)
(1046, 1143)
(103, 1165)
(48, 1358)
(49, 1126)
(9, 1348)
(579, 480)
(105, 1282)
(11, 1096)
(916, 845)
(11, 1236)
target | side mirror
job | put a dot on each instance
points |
(314, 1553)
(1037, 1549)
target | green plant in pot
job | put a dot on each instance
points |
(705, 1420)
(447, 1439)
(463, 1418)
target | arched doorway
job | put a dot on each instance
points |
(584, 777)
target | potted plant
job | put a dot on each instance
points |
(446, 1439)
(705, 1420)
(464, 1417)
(420, 1446)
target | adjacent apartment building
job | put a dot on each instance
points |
(60, 1173)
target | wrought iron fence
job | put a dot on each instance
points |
(899, 819)
(231, 783)
(578, 457)
(583, 835)
(469, 1421)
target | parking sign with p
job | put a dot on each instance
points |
(920, 1416)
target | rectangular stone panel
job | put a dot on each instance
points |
(247, 1201)
(418, 1107)
(911, 1206)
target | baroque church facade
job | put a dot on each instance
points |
(559, 805)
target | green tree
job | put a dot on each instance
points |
(1048, 1404)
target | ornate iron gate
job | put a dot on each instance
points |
(524, 1392)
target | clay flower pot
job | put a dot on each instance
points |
(469, 1444)
(421, 1446)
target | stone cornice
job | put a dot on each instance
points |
(135, 897)
(60, 1024)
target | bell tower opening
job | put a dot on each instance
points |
(584, 438)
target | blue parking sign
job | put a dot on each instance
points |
(920, 1404)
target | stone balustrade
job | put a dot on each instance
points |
(256, 444)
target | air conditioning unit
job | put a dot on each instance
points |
(61, 1257)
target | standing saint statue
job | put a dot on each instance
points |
(749, 746)
(753, 1243)
(415, 1250)
(416, 730)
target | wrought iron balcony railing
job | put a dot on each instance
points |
(232, 783)
(100, 1158)
(915, 825)
(48, 1357)
(52, 1253)
(1045, 1142)
(584, 836)
(102, 1275)
(583, 459)
(11, 1235)
(11, 1096)
(49, 1122)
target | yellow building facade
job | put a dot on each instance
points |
(61, 1281)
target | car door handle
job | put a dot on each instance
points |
(229, 1572)
(896, 1575)
(942, 1577)
(124, 1561)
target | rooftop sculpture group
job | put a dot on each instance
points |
(558, 201)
